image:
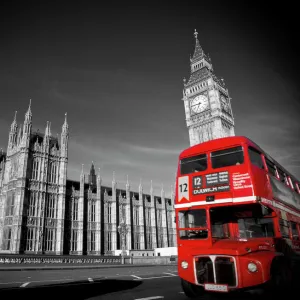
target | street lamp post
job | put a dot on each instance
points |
(123, 229)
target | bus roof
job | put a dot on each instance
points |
(225, 142)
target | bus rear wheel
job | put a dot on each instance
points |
(191, 290)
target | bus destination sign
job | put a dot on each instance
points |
(215, 182)
(217, 178)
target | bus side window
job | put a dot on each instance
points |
(282, 176)
(298, 187)
(292, 183)
(284, 228)
(255, 157)
(294, 231)
(271, 167)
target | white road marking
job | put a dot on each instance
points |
(137, 277)
(90, 280)
(181, 292)
(170, 274)
(154, 277)
(150, 298)
(24, 284)
(37, 281)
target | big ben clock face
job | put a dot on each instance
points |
(199, 104)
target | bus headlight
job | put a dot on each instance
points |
(252, 267)
(184, 264)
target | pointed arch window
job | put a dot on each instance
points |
(35, 168)
(109, 241)
(136, 215)
(75, 209)
(52, 177)
(30, 240)
(10, 203)
(51, 209)
(74, 238)
(32, 204)
(7, 236)
(92, 211)
(148, 214)
(109, 213)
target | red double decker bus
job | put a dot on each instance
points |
(237, 218)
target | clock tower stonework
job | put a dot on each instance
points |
(206, 101)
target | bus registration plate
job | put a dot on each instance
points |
(216, 287)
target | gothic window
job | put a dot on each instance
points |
(148, 212)
(10, 204)
(30, 239)
(123, 213)
(93, 241)
(159, 218)
(161, 240)
(92, 211)
(75, 210)
(149, 240)
(35, 168)
(109, 241)
(109, 213)
(52, 171)
(50, 239)
(51, 206)
(169, 214)
(136, 216)
(32, 204)
(74, 237)
(136, 241)
(7, 235)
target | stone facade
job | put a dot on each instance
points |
(43, 212)
(206, 101)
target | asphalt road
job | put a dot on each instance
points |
(130, 283)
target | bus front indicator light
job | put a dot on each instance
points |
(252, 267)
(184, 264)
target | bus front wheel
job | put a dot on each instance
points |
(191, 290)
(280, 278)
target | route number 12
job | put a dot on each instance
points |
(183, 188)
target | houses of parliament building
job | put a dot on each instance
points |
(44, 212)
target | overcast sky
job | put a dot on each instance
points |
(118, 70)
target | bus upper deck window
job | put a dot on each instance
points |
(193, 164)
(227, 157)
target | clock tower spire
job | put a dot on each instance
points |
(206, 100)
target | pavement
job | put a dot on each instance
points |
(23, 267)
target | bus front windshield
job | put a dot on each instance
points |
(247, 221)
(192, 224)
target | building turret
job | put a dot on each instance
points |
(64, 138)
(92, 176)
(13, 133)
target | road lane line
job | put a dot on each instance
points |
(90, 280)
(151, 298)
(170, 274)
(154, 277)
(24, 284)
(137, 277)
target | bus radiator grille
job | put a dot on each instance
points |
(225, 271)
(204, 270)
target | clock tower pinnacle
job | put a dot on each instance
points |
(206, 101)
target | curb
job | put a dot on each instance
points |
(37, 268)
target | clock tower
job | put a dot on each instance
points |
(206, 101)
